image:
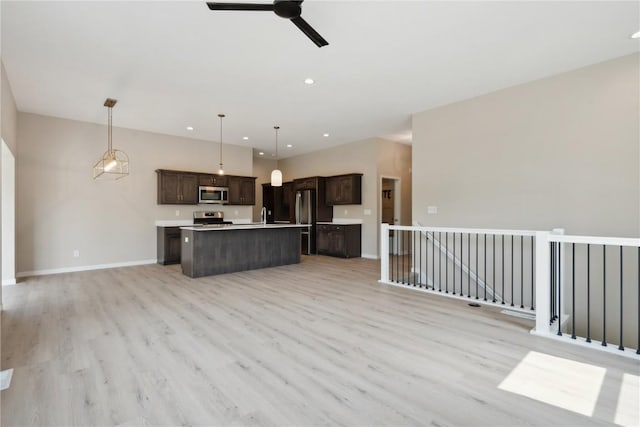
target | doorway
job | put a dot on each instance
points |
(8, 214)
(390, 207)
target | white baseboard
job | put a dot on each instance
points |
(8, 282)
(369, 256)
(85, 268)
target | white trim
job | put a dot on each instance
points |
(8, 282)
(174, 223)
(85, 268)
(465, 230)
(595, 240)
(369, 256)
(343, 221)
(595, 345)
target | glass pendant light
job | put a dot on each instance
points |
(113, 164)
(221, 170)
(276, 174)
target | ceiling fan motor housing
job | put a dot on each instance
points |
(287, 9)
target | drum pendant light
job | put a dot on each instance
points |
(276, 175)
(113, 164)
(221, 170)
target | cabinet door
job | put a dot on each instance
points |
(322, 241)
(168, 188)
(336, 242)
(235, 190)
(248, 190)
(207, 179)
(189, 189)
(173, 247)
(333, 191)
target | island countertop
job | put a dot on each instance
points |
(255, 225)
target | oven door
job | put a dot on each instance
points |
(212, 195)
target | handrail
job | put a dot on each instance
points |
(596, 240)
(490, 231)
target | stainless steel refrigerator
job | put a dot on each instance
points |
(306, 214)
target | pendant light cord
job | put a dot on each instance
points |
(276, 128)
(110, 148)
(221, 116)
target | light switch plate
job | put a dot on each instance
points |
(367, 211)
(186, 240)
(432, 210)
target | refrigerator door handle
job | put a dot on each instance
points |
(298, 208)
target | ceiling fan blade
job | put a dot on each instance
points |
(238, 6)
(309, 31)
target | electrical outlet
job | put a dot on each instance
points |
(76, 253)
(236, 213)
(432, 210)
(367, 211)
(346, 211)
(177, 213)
(186, 240)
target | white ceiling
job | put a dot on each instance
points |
(175, 64)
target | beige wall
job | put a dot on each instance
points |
(559, 152)
(61, 208)
(262, 171)
(9, 113)
(394, 160)
(365, 157)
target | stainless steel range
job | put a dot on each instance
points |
(209, 217)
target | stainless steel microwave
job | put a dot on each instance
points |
(213, 195)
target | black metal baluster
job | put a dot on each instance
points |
(559, 288)
(573, 291)
(485, 266)
(454, 263)
(493, 260)
(532, 270)
(604, 295)
(446, 262)
(391, 258)
(461, 262)
(621, 346)
(502, 296)
(588, 293)
(552, 280)
(512, 298)
(439, 261)
(469, 265)
(477, 271)
(433, 260)
(638, 342)
(426, 266)
(521, 271)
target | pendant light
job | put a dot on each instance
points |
(221, 170)
(276, 175)
(113, 164)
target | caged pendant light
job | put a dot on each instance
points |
(276, 174)
(114, 164)
(221, 170)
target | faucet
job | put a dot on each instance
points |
(263, 215)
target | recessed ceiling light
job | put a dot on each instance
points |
(636, 35)
(309, 81)
(261, 153)
(289, 145)
(246, 138)
(189, 128)
(326, 135)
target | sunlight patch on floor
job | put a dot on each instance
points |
(564, 383)
(628, 410)
(5, 378)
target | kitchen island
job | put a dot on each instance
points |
(218, 249)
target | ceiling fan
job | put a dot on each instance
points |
(288, 9)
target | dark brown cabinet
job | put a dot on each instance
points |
(169, 246)
(177, 188)
(242, 190)
(324, 212)
(280, 202)
(339, 240)
(344, 189)
(212, 180)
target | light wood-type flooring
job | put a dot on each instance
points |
(317, 343)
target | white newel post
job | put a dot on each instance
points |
(543, 284)
(384, 253)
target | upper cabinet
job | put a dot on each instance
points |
(212, 180)
(344, 189)
(177, 188)
(181, 187)
(242, 190)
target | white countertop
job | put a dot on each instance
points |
(342, 221)
(255, 225)
(174, 223)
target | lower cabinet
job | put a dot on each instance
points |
(169, 246)
(339, 240)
